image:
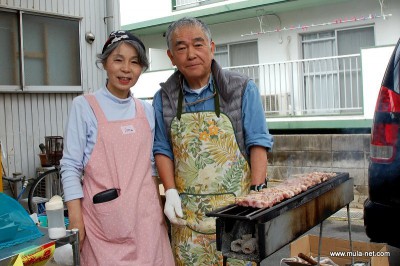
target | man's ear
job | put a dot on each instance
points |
(212, 44)
(171, 57)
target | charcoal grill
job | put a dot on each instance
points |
(277, 226)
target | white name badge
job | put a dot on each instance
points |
(129, 129)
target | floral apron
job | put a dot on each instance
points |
(129, 230)
(209, 172)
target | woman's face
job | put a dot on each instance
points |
(123, 70)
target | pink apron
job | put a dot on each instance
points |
(129, 230)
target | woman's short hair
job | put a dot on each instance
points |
(115, 40)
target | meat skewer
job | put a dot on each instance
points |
(269, 197)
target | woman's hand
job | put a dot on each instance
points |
(76, 219)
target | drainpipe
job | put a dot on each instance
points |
(110, 15)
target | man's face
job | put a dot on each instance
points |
(191, 52)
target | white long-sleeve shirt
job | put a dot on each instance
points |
(81, 133)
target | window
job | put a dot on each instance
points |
(334, 84)
(239, 54)
(339, 42)
(39, 53)
(221, 55)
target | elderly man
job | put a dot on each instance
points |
(211, 140)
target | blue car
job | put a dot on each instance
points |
(382, 208)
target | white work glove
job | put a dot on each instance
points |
(173, 207)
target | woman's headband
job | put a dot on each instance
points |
(121, 35)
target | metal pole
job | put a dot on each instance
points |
(319, 243)
(75, 246)
(349, 226)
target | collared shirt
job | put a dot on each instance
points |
(254, 122)
(81, 134)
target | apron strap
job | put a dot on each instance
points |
(216, 100)
(94, 104)
(180, 102)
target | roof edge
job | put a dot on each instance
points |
(225, 8)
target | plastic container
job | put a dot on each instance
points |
(55, 217)
(42, 219)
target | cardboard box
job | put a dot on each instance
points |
(374, 253)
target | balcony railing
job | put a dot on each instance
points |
(321, 86)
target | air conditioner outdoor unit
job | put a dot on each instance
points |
(276, 104)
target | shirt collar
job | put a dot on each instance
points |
(108, 94)
(210, 87)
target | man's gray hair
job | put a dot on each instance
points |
(183, 22)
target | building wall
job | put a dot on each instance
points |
(297, 154)
(26, 118)
(285, 45)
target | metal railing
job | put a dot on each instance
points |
(320, 86)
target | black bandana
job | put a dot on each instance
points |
(121, 35)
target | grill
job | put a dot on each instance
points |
(279, 225)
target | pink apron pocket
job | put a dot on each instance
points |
(115, 220)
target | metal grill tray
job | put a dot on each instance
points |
(235, 211)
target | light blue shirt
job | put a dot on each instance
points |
(254, 122)
(81, 133)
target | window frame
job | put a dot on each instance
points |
(339, 80)
(228, 50)
(22, 87)
(334, 37)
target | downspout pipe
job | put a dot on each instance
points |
(110, 17)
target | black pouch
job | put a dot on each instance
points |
(106, 195)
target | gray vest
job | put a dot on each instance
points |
(231, 86)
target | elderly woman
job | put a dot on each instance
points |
(109, 138)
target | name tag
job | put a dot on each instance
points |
(129, 129)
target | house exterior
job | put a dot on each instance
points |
(318, 65)
(309, 58)
(47, 57)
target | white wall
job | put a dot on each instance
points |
(132, 12)
(158, 59)
(374, 62)
(148, 84)
(283, 46)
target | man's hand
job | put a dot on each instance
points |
(173, 207)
